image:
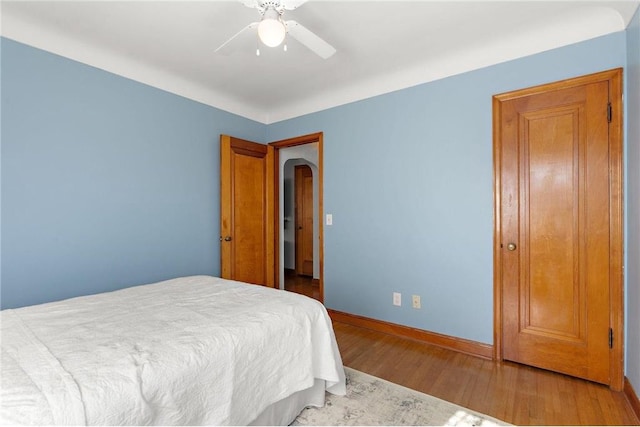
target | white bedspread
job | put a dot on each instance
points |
(195, 350)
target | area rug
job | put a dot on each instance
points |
(374, 401)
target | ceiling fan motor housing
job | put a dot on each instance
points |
(276, 5)
(272, 29)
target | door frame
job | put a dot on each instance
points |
(287, 143)
(616, 210)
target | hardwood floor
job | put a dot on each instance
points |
(301, 285)
(514, 393)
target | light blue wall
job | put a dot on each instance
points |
(106, 182)
(0, 173)
(633, 202)
(408, 179)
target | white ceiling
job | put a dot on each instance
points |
(381, 45)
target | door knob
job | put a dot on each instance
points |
(511, 246)
(227, 239)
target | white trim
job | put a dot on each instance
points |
(592, 23)
(41, 37)
(561, 31)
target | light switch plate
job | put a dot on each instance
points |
(397, 299)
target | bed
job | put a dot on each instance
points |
(189, 351)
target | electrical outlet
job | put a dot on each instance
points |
(416, 301)
(397, 298)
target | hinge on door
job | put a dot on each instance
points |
(609, 112)
(610, 338)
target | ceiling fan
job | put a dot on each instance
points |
(272, 29)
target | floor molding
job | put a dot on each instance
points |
(461, 345)
(632, 397)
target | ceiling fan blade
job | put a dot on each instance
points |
(291, 4)
(251, 3)
(248, 27)
(310, 40)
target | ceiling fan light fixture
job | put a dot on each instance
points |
(271, 30)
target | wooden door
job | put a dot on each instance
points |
(559, 226)
(304, 220)
(246, 211)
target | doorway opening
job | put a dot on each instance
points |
(299, 241)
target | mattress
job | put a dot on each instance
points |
(195, 350)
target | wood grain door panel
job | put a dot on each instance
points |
(555, 206)
(246, 214)
(304, 220)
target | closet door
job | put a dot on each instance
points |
(560, 216)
